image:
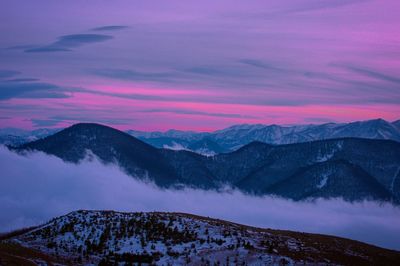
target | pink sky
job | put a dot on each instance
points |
(198, 65)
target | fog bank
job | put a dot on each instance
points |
(37, 187)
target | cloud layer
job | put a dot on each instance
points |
(38, 187)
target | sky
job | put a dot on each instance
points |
(37, 180)
(198, 65)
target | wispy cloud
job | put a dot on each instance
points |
(127, 74)
(110, 28)
(45, 122)
(370, 73)
(193, 112)
(261, 64)
(93, 118)
(68, 42)
(210, 71)
(22, 80)
(307, 6)
(32, 90)
(316, 5)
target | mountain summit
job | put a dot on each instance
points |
(110, 145)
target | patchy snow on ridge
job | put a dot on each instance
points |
(156, 238)
(323, 182)
(175, 147)
(91, 237)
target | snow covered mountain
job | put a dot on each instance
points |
(207, 147)
(236, 136)
(16, 136)
(396, 124)
(115, 238)
(350, 168)
(172, 133)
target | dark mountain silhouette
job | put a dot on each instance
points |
(355, 169)
(109, 145)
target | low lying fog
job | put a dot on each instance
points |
(37, 187)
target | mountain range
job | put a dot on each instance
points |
(351, 168)
(234, 137)
(115, 238)
(16, 136)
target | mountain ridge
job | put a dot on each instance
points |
(234, 137)
(252, 169)
(96, 237)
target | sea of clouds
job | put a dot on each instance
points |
(36, 187)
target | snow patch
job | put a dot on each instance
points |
(205, 152)
(175, 147)
(323, 182)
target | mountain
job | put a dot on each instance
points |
(371, 129)
(206, 147)
(351, 168)
(234, 137)
(172, 133)
(240, 135)
(12, 140)
(396, 124)
(167, 143)
(110, 145)
(16, 136)
(115, 238)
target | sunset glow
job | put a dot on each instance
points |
(198, 65)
